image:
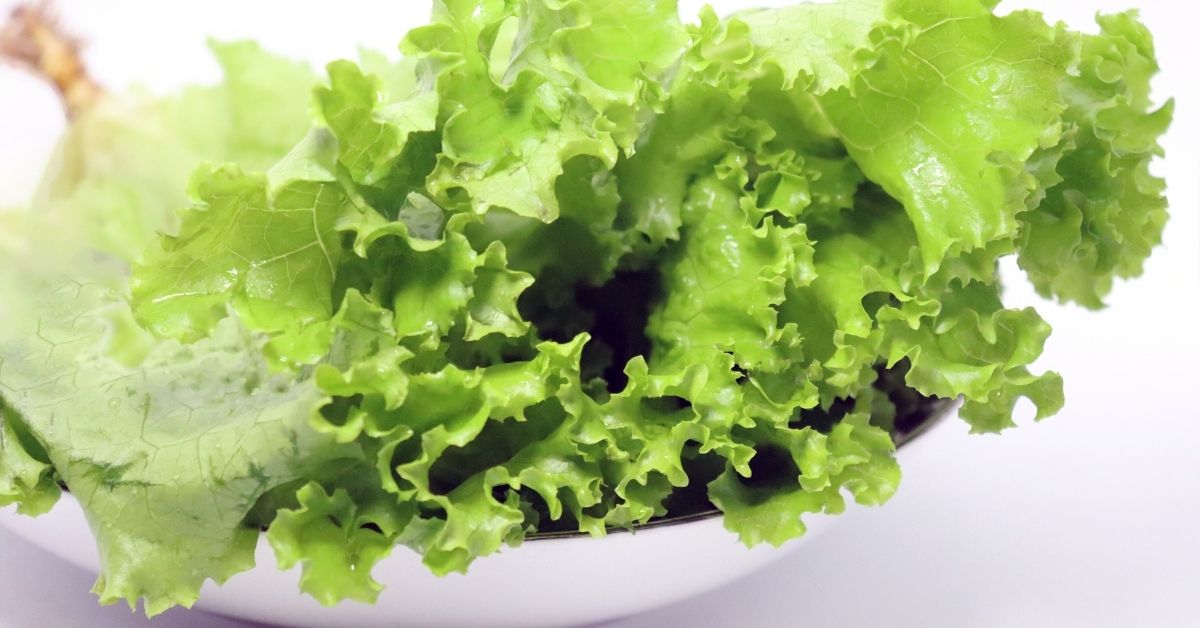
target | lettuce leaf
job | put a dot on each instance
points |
(567, 265)
(1103, 211)
(192, 435)
(120, 169)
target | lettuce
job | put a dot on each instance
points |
(566, 265)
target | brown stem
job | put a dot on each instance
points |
(34, 39)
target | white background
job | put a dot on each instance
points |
(1089, 520)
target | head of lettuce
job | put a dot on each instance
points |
(560, 261)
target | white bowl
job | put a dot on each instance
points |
(546, 582)
(551, 582)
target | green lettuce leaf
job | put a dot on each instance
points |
(943, 77)
(830, 59)
(192, 436)
(120, 169)
(524, 88)
(27, 476)
(565, 266)
(271, 252)
(1104, 211)
(338, 539)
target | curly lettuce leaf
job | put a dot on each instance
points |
(568, 266)
(1104, 211)
(826, 43)
(724, 281)
(805, 471)
(370, 136)
(338, 539)
(523, 91)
